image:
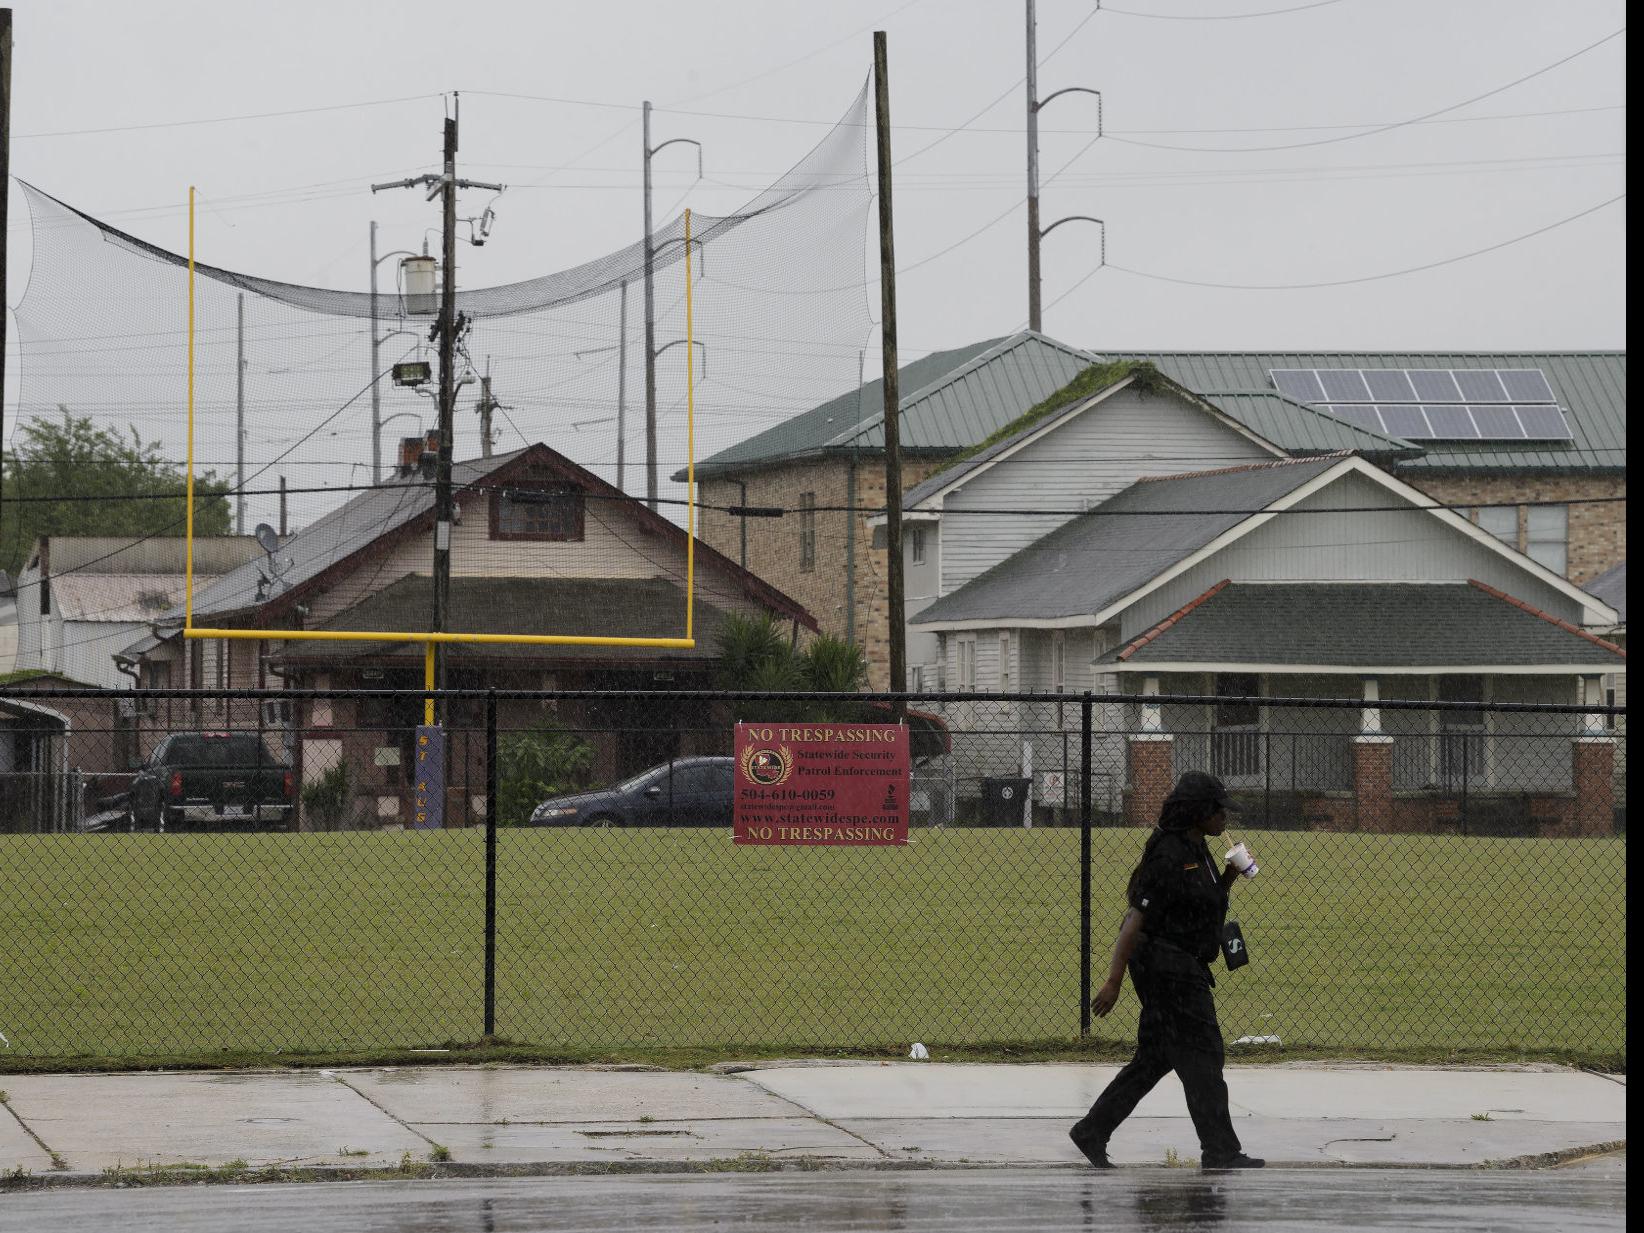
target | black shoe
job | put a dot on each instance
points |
(1094, 1151)
(1236, 1161)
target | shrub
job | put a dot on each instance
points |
(535, 764)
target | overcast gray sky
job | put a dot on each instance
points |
(1281, 148)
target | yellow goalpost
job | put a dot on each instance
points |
(429, 638)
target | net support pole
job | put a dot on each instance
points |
(5, 208)
(188, 518)
(650, 321)
(690, 442)
(893, 394)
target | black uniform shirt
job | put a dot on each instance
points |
(1179, 891)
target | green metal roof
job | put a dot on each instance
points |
(1299, 429)
(1590, 385)
(950, 401)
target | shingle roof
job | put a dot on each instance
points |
(1590, 385)
(949, 400)
(1611, 587)
(617, 607)
(1379, 624)
(1092, 560)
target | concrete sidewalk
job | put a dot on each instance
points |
(848, 1114)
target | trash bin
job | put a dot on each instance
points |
(1002, 801)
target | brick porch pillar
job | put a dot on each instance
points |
(1152, 775)
(1593, 779)
(1373, 783)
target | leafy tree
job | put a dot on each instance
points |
(103, 483)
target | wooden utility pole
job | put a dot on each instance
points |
(893, 393)
(5, 195)
(443, 504)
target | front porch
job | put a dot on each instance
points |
(1406, 753)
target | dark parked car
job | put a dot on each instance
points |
(684, 792)
(211, 781)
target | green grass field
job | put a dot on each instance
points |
(195, 945)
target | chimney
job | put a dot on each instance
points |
(410, 451)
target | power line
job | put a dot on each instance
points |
(1386, 128)
(261, 115)
(1366, 278)
(1299, 8)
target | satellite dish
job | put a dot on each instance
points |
(268, 539)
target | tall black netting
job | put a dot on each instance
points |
(780, 316)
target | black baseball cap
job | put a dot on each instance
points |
(1199, 787)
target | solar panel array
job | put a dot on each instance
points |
(1463, 404)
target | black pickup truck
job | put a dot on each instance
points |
(211, 781)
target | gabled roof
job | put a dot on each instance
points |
(1611, 587)
(334, 537)
(1087, 570)
(1354, 625)
(949, 400)
(1124, 543)
(617, 607)
(1301, 430)
(336, 541)
(1279, 424)
(1590, 385)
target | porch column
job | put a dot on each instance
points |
(1592, 770)
(1151, 759)
(1373, 765)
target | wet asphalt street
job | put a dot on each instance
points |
(973, 1199)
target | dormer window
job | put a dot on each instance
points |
(538, 510)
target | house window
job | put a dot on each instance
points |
(538, 511)
(1058, 662)
(966, 656)
(1547, 536)
(916, 545)
(1006, 683)
(807, 531)
(1500, 521)
(1609, 700)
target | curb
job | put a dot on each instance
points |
(448, 1171)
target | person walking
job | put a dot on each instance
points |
(1169, 937)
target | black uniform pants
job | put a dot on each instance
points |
(1178, 1032)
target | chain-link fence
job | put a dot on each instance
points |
(188, 872)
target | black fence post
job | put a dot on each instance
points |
(490, 863)
(1084, 865)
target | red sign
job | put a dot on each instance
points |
(821, 783)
